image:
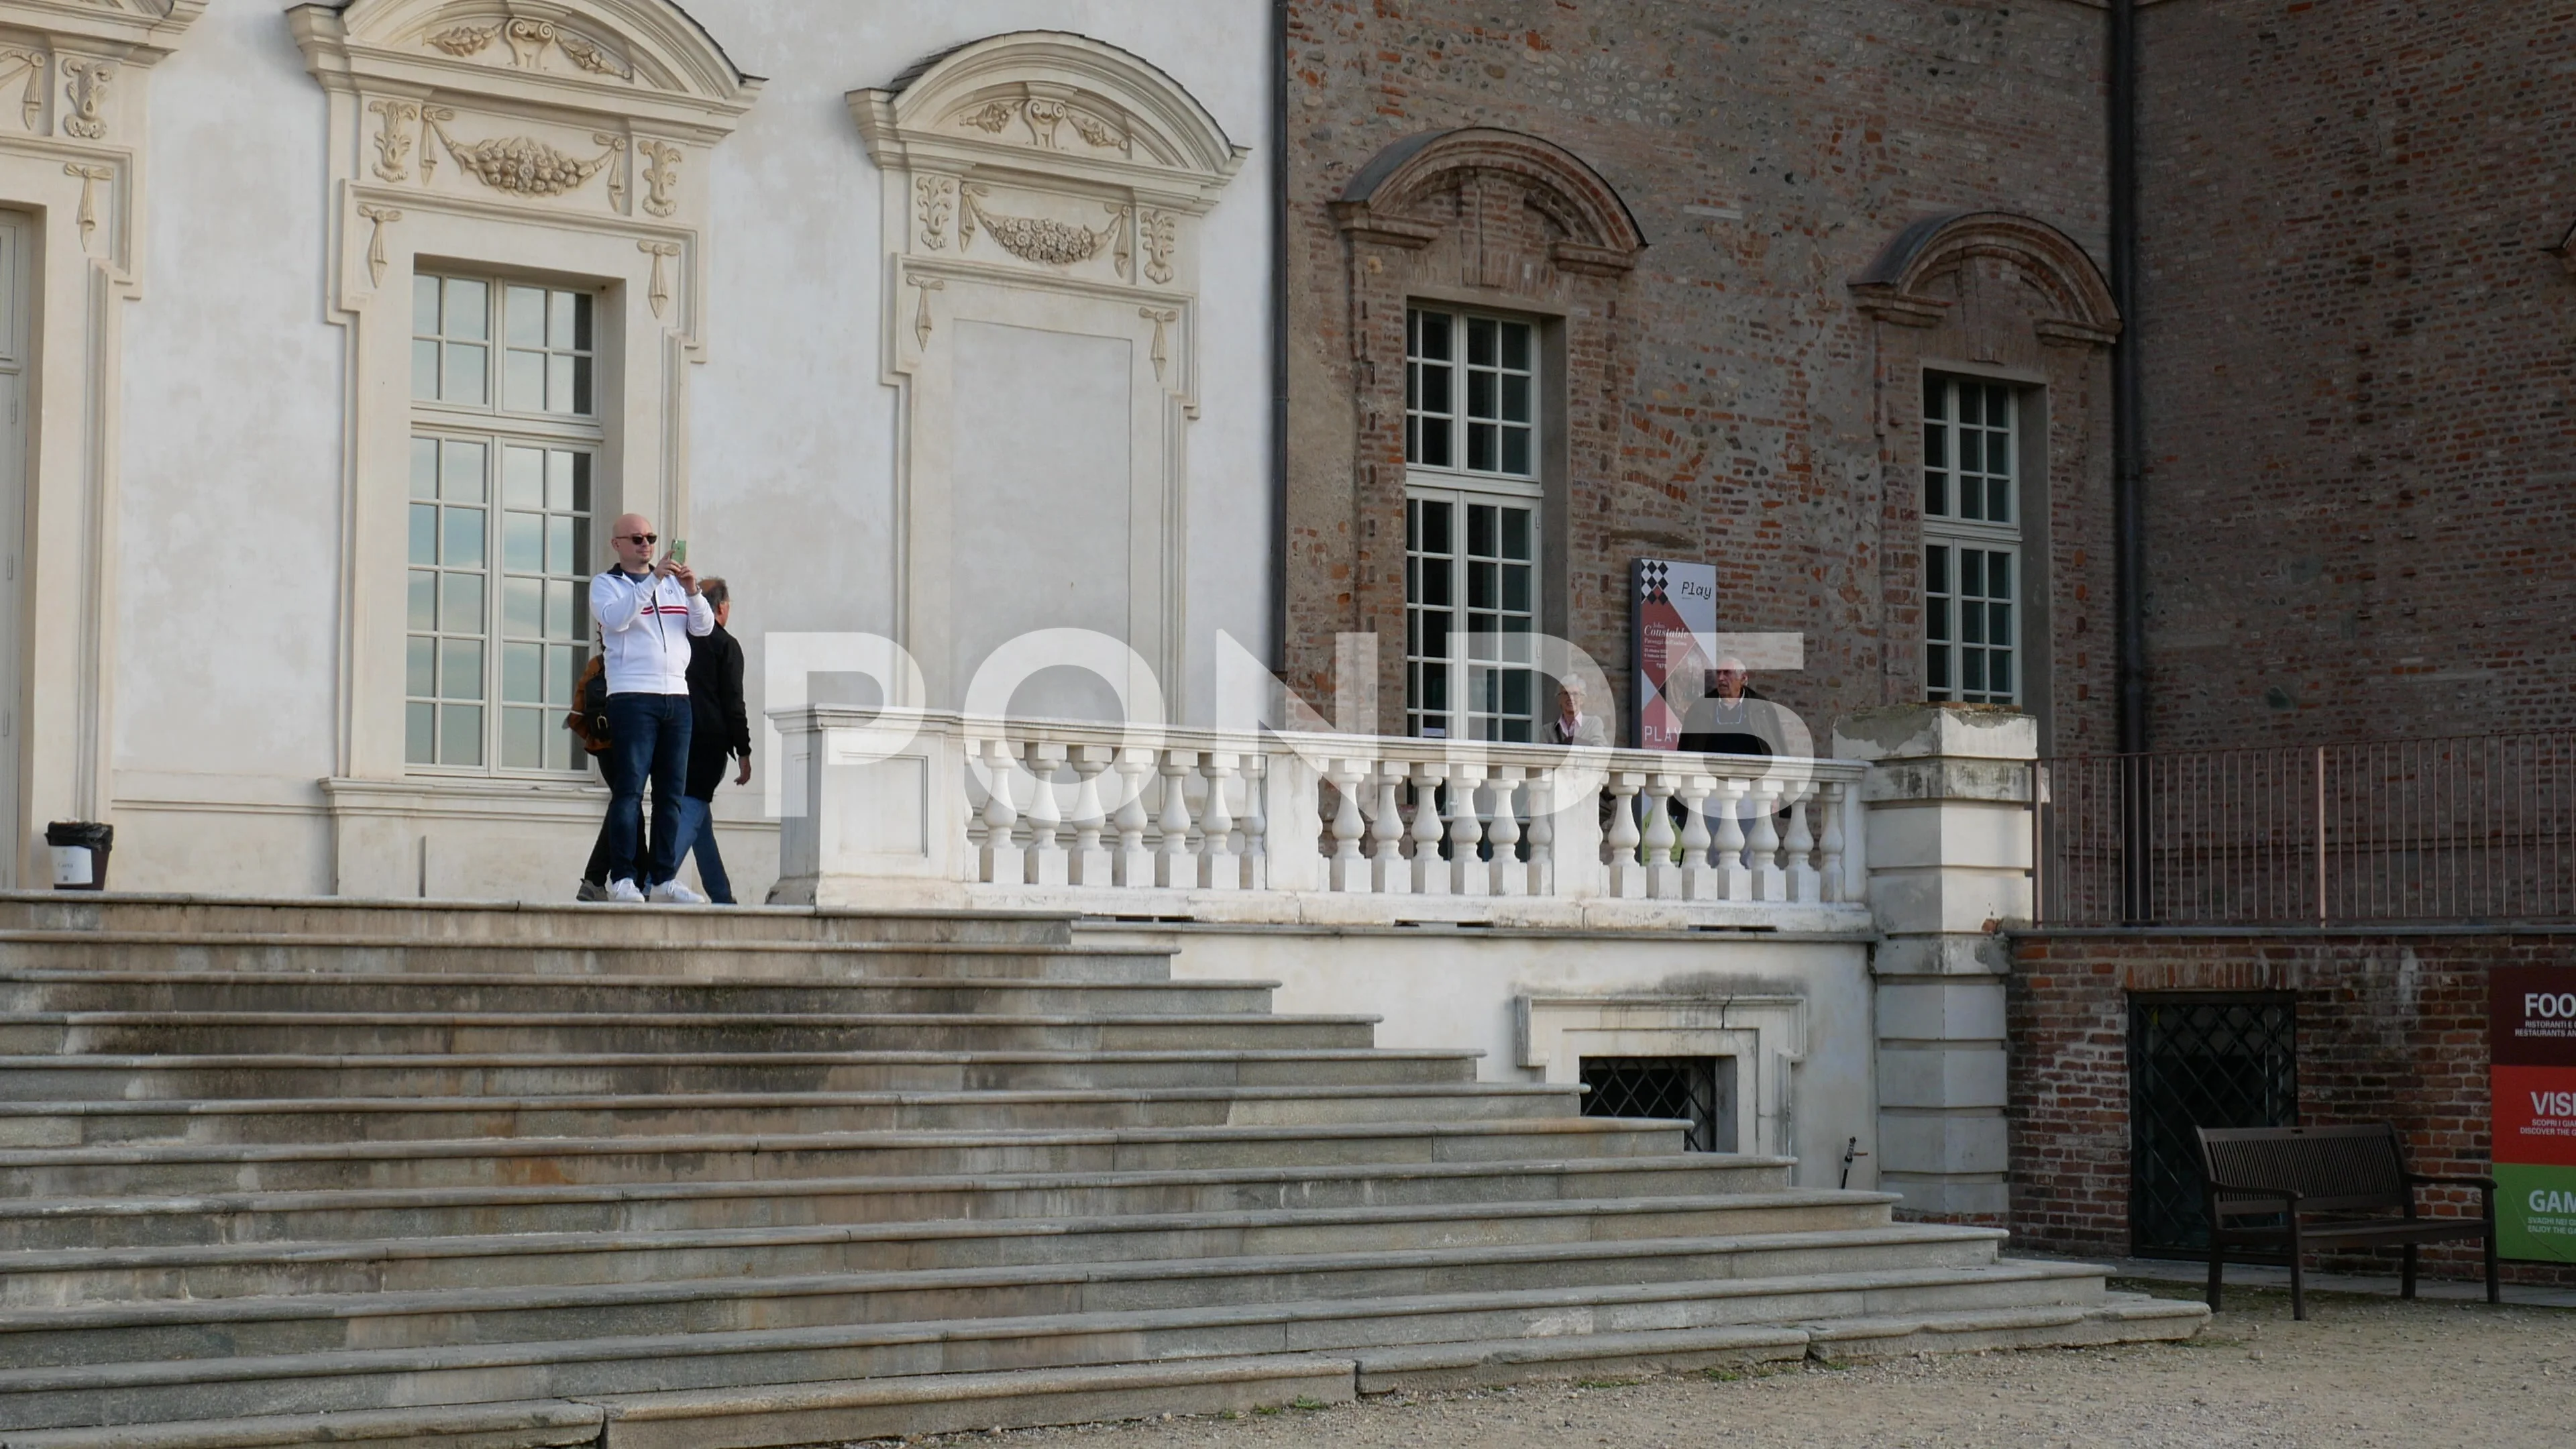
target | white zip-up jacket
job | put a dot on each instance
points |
(644, 629)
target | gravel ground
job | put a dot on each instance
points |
(2362, 1371)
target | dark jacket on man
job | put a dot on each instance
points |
(1713, 727)
(721, 729)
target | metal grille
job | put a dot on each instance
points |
(1699, 1090)
(2199, 1061)
(2477, 828)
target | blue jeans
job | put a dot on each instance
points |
(650, 741)
(698, 833)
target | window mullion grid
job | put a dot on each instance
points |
(522, 518)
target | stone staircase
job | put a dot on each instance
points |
(396, 1175)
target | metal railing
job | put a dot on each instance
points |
(2475, 828)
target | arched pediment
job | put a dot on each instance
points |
(1902, 284)
(1393, 197)
(1051, 103)
(619, 56)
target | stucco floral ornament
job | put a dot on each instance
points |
(526, 166)
(1039, 239)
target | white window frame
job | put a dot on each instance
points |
(1479, 683)
(567, 541)
(1971, 520)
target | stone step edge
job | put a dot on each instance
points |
(889, 1139)
(2118, 1318)
(321, 1061)
(523, 1298)
(483, 1245)
(840, 1411)
(517, 1354)
(491, 1019)
(373, 1199)
(561, 945)
(665, 1101)
(791, 1413)
(530, 980)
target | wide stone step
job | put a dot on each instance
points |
(217, 1167)
(197, 1034)
(377, 1378)
(916, 1405)
(238, 1270)
(399, 1119)
(525, 922)
(176, 1078)
(30, 991)
(248, 1216)
(321, 1322)
(576, 958)
(763, 1414)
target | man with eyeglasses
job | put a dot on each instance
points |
(647, 612)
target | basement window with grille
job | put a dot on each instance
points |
(1699, 1090)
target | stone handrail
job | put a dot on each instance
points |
(938, 807)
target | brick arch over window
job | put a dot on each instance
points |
(1408, 193)
(1481, 220)
(1913, 279)
(2011, 300)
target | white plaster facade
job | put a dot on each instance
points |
(216, 645)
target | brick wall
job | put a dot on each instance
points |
(2390, 1027)
(2359, 366)
(1746, 412)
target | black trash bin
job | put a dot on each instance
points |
(80, 853)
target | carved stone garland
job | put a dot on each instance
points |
(1041, 239)
(530, 167)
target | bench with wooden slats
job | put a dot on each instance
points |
(2327, 1187)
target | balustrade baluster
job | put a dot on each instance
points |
(1699, 878)
(1510, 872)
(1431, 875)
(1770, 883)
(1542, 834)
(1173, 866)
(1663, 873)
(1627, 873)
(1134, 866)
(1350, 868)
(1468, 872)
(1388, 867)
(1833, 842)
(1803, 880)
(1734, 877)
(1001, 861)
(1255, 825)
(1220, 869)
(1090, 863)
(1048, 864)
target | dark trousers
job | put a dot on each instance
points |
(698, 837)
(650, 742)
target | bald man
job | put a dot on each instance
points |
(647, 612)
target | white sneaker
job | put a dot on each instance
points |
(622, 889)
(672, 893)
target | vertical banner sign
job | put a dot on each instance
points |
(1669, 605)
(2531, 1037)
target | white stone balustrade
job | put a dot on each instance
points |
(937, 809)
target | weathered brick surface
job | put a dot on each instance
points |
(2391, 1027)
(2359, 366)
(1725, 400)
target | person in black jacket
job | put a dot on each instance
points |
(720, 733)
